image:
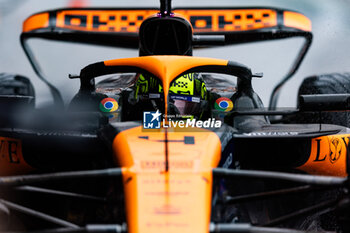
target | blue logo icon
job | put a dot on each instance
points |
(151, 120)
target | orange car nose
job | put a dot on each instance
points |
(175, 201)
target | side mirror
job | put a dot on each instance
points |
(324, 102)
(16, 92)
(13, 84)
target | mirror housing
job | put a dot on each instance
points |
(324, 102)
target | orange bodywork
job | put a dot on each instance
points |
(296, 20)
(174, 201)
(203, 20)
(328, 156)
(36, 21)
(178, 200)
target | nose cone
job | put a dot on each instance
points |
(175, 201)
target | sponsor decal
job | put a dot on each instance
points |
(109, 105)
(223, 104)
(167, 210)
(172, 164)
(189, 140)
(168, 193)
(335, 149)
(271, 134)
(10, 150)
(167, 181)
(166, 225)
(185, 98)
(201, 20)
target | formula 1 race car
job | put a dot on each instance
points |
(168, 142)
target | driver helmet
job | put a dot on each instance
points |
(188, 96)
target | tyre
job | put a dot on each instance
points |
(335, 83)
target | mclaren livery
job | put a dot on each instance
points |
(169, 142)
